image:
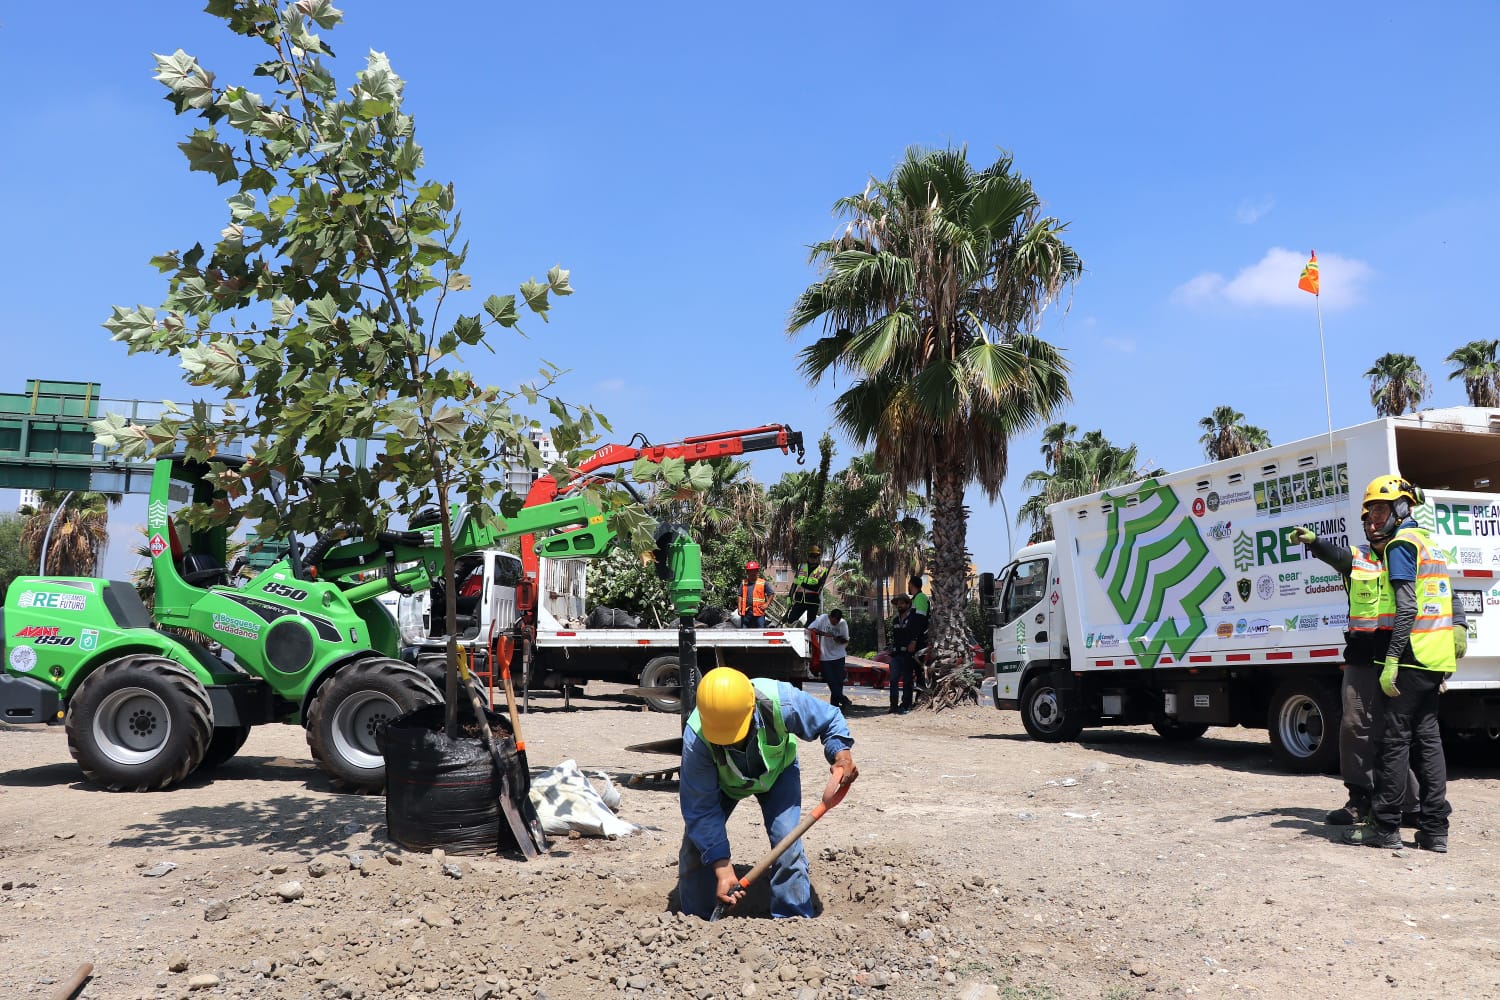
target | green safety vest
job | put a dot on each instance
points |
(778, 748)
(920, 604)
(810, 577)
(1372, 606)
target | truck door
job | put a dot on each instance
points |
(1024, 618)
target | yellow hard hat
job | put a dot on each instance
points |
(726, 702)
(815, 549)
(1390, 489)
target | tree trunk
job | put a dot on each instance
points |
(948, 634)
(880, 614)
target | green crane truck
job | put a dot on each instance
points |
(149, 697)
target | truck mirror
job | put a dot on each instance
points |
(986, 588)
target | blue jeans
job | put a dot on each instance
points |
(752, 621)
(903, 673)
(791, 890)
(834, 672)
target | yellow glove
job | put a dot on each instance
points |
(1460, 641)
(1388, 670)
(1303, 536)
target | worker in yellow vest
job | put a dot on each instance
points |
(741, 741)
(755, 594)
(806, 595)
(1411, 589)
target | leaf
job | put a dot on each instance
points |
(502, 309)
(459, 283)
(190, 83)
(205, 153)
(535, 294)
(468, 329)
(674, 471)
(448, 423)
(700, 476)
(557, 280)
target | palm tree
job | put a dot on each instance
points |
(1087, 466)
(931, 299)
(79, 535)
(1475, 363)
(1053, 439)
(1226, 435)
(1397, 384)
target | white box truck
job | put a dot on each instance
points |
(569, 653)
(1180, 602)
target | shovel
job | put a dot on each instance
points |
(504, 649)
(801, 828)
(518, 829)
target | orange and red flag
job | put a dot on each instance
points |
(1309, 280)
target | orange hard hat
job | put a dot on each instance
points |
(752, 564)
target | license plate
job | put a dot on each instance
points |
(1472, 601)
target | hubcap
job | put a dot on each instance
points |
(1301, 726)
(356, 725)
(1045, 710)
(132, 725)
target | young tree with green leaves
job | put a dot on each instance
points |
(325, 311)
(1476, 364)
(930, 300)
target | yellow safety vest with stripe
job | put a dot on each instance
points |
(810, 578)
(777, 747)
(1372, 605)
(1432, 632)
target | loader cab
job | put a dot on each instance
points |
(185, 561)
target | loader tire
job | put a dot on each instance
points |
(223, 745)
(139, 724)
(662, 672)
(350, 710)
(1046, 711)
(1303, 718)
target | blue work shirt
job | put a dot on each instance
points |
(804, 716)
(1401, 560)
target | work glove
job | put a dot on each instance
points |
(1388, 670)
(1303, 536)
(1460, 641)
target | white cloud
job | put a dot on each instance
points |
(1272, 281)
(1251, 212)
(1122, 344)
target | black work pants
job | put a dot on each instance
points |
(802, 612)
(834, 672)
(1411, 740)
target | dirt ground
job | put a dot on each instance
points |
(967, 862)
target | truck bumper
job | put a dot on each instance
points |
(25, 699)
(990, 689)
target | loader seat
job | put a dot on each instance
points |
(202, 570)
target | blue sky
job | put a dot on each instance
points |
(679, 159)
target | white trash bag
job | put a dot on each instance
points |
(566, 800)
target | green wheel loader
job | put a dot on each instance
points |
(149, 697)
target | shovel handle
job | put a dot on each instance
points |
(795, 835)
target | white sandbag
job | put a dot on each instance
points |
(565, 800)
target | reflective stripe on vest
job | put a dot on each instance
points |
(1372, 606)
(811, 578)
(758, 602)
(1432, 632)
(777, 747)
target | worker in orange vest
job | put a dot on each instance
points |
(755, 594)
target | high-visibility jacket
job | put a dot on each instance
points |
(754, 601)
(1432, 645)
(809, 580)
(1372, 604)
(776, 746)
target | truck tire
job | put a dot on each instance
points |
(1044, 710)
(223, 745)
(139, 723)
(349, 711)
(1303, 719)
(662, 672)
(1173, 731)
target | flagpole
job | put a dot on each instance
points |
(1328, 402)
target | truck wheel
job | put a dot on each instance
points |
(349, 711)
(1173, 731)
(662, 672)
(139, 723)
(1044, 712)
(1303, 718)
(223, 745)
